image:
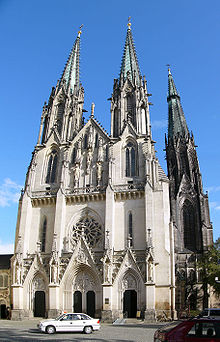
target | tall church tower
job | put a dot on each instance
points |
(93, 231)
(189, 205)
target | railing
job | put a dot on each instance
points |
(128, 187)
(85, 190)
(43, 193)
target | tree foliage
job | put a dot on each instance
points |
(209, 266)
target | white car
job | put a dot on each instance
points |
(70, 322)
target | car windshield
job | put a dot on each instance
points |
(59, 317)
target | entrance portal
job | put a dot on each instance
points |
(90, 303)
(77, 301)
(3, 312)
(39, 304)
(130, 303)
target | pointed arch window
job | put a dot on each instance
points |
(131, 109)
(46, 121)
(115, 123)
(43, 235)
(60, 112)
(52, 167)
(85, 141)
(106, 153)
(1, 281)
(5, 280)
(130, 228)
(74, 155)
(96, 140)
(130, 153)
(189, 226)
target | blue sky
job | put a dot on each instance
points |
(36, 38)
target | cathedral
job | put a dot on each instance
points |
(101, 228)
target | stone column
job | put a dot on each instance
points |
(54, 302)
(17, 313)
(150, 301)
(107, 303)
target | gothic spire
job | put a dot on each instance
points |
(129, 65)
(176, 122)
(71, 71)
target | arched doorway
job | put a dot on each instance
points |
(77, 301)
(90, 303)
(3, 311)
(39, 304)
(130, 303)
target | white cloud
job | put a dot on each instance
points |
(213, 189)
(9, 192)
(214, 205)
(158, 124)
(7, 248)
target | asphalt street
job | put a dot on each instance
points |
(28, 331)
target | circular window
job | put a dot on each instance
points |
(90, 229)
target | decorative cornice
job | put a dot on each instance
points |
(79, 198)
(128, 195)
(36, 202)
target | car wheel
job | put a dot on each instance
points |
(88, 330)
(50, 329)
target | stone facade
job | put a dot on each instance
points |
(94, 231)
(5, 282)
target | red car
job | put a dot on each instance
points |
(193, 330)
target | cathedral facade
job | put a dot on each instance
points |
(100, 226)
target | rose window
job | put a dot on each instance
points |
(90, 229)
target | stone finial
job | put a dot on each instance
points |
(129, 22)
(92, 109)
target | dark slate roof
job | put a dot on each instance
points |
(176, 123)
(129, 64)
(71, 71)
(5, 261)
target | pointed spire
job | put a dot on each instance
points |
(71, 71)
(171, 85)
(177, 125)
(129, 66)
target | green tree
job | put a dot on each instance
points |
(209, 266)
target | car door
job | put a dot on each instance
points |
(77, 323)
(65, 323)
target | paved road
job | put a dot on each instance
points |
(27, 331)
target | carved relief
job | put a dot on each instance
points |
(84, 282)
(129, 282)
(82, 257)
(39, 284)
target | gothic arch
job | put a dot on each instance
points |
(43, 232)
(59, 118)
(35, 281)
(131, 280)
(130, 159)
(82, 278)
(189, 225)
(73, 155)
(129, 228)
(51, 165)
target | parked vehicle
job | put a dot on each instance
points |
(211, 312)
(70, 322)
(193, 330)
